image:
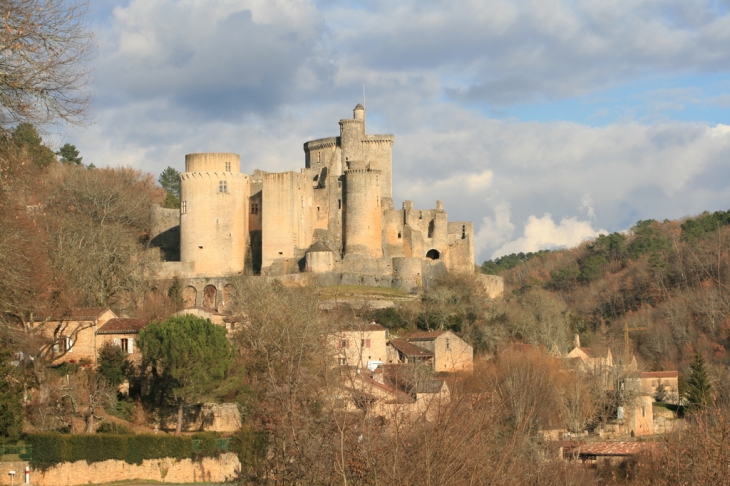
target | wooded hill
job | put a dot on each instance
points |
(671, 278)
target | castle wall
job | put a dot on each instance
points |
(393, 234)
(460, 252)
(165, 232)
(287, 222)
(363, 214)
(214, 214)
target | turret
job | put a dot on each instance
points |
(363, 212)
(214, 213)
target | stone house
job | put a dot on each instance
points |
(450, 352)
(401, 351)
(73, 334)
(593, 358)
(358, 347)
(122, 332)
(663, 386)
(217, 318)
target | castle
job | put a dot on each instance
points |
(334, 220)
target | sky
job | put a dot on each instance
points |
(545, 122)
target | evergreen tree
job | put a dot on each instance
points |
(190, 355)
(27, 138)
(69, 154)
(11, 407)
(170, 182)
(699, 389)
(113, 364)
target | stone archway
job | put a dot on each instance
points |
(433, 254)
(189, 296)
(209, 295)
(228, 292)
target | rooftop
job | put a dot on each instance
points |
(121, 325)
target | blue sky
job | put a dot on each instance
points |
(543, 121)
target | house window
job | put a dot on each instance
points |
(343, 361)
(222, 186)
(364, 343)
(228, 166)
(255, 208)
(343, 343)
(183, 207)
(67, 344)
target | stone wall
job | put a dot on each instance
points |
(206, 417)
(216, 470)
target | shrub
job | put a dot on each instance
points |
(51, 449)
(113, 428)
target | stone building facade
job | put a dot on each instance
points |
(335, 218)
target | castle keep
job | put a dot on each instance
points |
(334, 220)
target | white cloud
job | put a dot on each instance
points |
(544, 234)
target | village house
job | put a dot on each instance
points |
(122, 333)
(663, 386)
(359, 347)
(72, 334)
(450, 352)
(214, 316)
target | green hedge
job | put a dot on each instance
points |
(50, 449)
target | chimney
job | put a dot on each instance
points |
(576, 340)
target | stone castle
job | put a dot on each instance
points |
(334, 220)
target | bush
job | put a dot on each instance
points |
(51, 449)
(113, 428)
(123, 409)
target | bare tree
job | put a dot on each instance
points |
(43, 77)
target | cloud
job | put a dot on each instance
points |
(544, 234)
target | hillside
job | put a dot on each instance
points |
(671, 278)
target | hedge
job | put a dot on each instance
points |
(53, 448)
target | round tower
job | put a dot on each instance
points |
(214, 213)
(352, 133)
(363, 212)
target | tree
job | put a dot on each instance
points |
(26, 137)
(699, 389)
(170, 182)
(113, 364)
(45, 44)
(11, 408)
(69, 154)
(190, 355)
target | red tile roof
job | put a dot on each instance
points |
(609, 448)
(409, 349)
(120, 325)
(77, 314)
(659, 374)
(425, 336)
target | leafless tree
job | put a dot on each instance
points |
(44, 48)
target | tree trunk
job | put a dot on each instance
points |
(89, 423)
(178, 429)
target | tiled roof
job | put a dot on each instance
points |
(373, 326)
(398, 395)
(77, 314)
(659, 374)
(425, 336)
(120, 325)
(409, 349)
(609, 448)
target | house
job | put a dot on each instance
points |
(450, 352)
(613, 452)
(400, 351)
(72, 334)
(593, 358)
(360, 346)
(217, 318)
(122, 332)
(663, 386)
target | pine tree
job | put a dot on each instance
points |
(69, 154)
(170, 182)
(699, 389)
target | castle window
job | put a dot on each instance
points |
(433, 254)
(463, 232)
(228, 166)
(377, 200)
(399, 235)
(339, 204)
(183, 207)
(448, 344)
(255, 208)
(317, 208)
(431, 227)
(339, 184)
(302, 201)
(222, 186)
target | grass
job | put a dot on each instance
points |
(360, 291)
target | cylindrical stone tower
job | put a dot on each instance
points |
(214, 199)
(363, 212)
(352, 133)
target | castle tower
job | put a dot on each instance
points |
(214, 198)
(352, 133)
(363, 212)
